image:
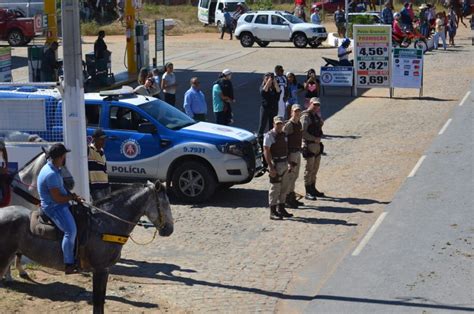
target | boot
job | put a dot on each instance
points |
(310, 194)
(296, 201)
(274, 215)
(283, 212)
(316, 192)
(291, 201)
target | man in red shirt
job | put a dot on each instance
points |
(300, 5)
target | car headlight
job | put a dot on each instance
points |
(233, 149)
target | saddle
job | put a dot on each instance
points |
(43, 227)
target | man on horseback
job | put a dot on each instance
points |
(55, 202)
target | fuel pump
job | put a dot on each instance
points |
(142, 50)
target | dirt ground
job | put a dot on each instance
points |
(226, 255)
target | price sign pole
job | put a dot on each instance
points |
(373, 55)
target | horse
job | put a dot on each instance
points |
(25, 193)
(118, 214)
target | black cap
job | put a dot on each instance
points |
(57, 150)
(99, 133)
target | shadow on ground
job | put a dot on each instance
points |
(170, 273)
(64, 292)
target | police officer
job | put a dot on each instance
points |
(275, 150)
(98, 177)
(293, 131)
(312, 147)
(49, 64)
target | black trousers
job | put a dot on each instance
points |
(170, 99)
(266, 118)
(228, 29)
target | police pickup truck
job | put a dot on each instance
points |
(150, 139)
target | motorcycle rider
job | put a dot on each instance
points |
(397, 31)
(343, 53)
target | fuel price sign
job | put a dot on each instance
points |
(372, 45)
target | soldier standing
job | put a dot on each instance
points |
(312, 147)
(293, 130)
(276, 154)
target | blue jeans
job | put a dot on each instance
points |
(62, 217)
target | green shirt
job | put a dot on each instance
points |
(217, 103)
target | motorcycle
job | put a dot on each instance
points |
(335, 63)
(409, 37)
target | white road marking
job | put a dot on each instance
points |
(418, 164)
(445, 126)
(369, 234)
(465, 98)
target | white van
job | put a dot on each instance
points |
(28, 7)
(210, 11)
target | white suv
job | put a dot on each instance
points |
(263, 27)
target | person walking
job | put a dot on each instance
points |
(294, 133)
(453, 23)
(49, 64)
(387, 13)
(270, 92)
(228, 24)
(283, 84)
(98, 176)
(340, 20)
(168, 84)
(312, 147)
(55, 202)
(275, 151)
(439, 32)
(195, 104)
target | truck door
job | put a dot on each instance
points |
(203, 11)
(133, 146)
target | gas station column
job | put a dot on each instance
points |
(50, 12)
(130, 35)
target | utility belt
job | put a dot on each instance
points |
(279, 159)
(308, 154)
(294, 150)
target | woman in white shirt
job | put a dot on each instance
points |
(168, 84)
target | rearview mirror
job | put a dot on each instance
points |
(147, 127)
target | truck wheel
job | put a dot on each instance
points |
(15, 38)
(300, 40)
(193, 182)
(247, 40)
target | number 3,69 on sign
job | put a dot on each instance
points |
(372, 79)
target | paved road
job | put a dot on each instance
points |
(421, 256)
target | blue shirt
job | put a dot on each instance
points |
(194, 102)
(217, 102)
(228, 19)
(49, 178)
(387, 16)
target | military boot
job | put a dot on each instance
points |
(274, 214)
(296, 201)
(291, 201)
(316, 192)
(283, 212)
(310, 194)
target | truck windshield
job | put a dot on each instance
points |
(167, 115)
(292, 19)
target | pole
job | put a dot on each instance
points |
(346, 15)
(130, 34)
(74, 118)
(50, 12)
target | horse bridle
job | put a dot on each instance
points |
(161, 222)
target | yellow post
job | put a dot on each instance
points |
(50, 12)
(130, 35)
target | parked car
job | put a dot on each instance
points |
(15, 28)
(28, 7)
(329, 6)
(149, 139)
(264, 27)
